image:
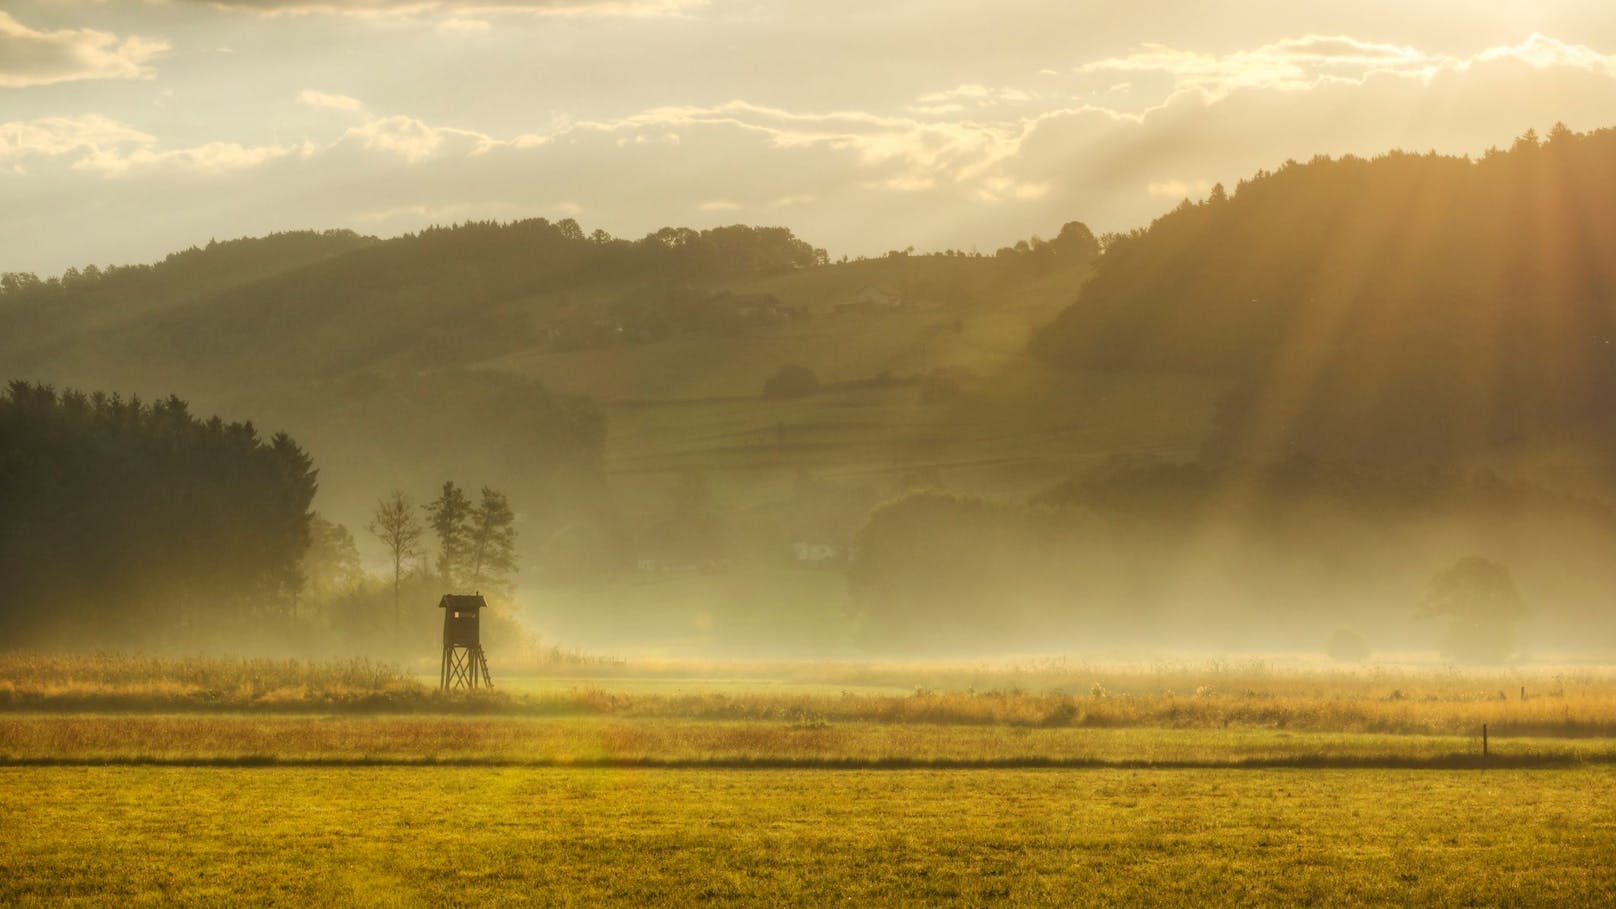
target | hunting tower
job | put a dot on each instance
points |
(464, 665)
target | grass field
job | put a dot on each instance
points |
(458, 836)
(607, 783)
(801, 742)
(1563, 702)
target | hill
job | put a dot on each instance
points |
(1407, 308)
(588, 375)
(39, 313)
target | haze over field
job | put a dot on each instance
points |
(765, 452)
(1060, 349)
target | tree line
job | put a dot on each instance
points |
(670, 252)
(127, 521)
(130, 523)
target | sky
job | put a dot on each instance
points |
(133, 128)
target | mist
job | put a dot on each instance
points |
(1220, 434)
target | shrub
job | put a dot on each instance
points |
(791, 381)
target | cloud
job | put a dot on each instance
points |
(410, 138)
(911, 155)
(970, 93)
(457, 10)
(995, 169)
(101, 145)
(1291, 64)
(1541, 52)
(667, 138)
(463, 26)
(441, 214)
(51, 137)
(1310, 61)
(210, 160)
(30, 57)
(314, 98)
(415, 141)
(1178, 189)
(1359, 98)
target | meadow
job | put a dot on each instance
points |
(480, 836)
(203, 781)
(1556, 702)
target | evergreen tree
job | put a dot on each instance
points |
(491, 540)
(449, 515)
(132, 522)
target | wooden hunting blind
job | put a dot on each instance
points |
(464, 664)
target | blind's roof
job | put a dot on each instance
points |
(461, 601)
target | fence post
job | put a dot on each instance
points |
(1484, 740)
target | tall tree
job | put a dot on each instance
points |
(398, 527)
(331, 566)
(492, 540)
(449, 515)
(1479, 599)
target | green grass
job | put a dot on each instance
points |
(1049, 784)
(791, 740)
(484, 837)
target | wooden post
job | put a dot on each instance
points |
(1484, 740)
(1523, 692)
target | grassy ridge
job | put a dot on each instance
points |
(445, 836)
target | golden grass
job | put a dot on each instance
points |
(102, 680)
(445, 836)
(1566, 703)
(233, 739)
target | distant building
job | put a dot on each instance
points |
(870, 298)
(757, 307)
(813, 553)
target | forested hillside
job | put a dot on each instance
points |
(35, 311)
(495, 353)
(441, 296)
(1409, 307)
